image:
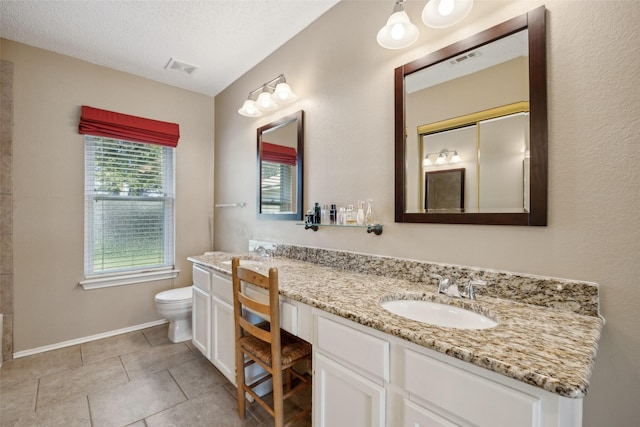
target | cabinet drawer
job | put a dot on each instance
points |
(466, 395)
(415, 415)
(222, 287)
(201, 278)
(360, 349)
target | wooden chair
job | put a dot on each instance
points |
(276, 350)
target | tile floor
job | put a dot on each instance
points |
(136, 379)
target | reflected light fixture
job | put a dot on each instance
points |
(268, 97)
(442, 158)
(456, 157)
(398, 32)
(445, 13)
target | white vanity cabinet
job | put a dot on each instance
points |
(212, 319)
(201, 311)
(350, 370)
(223, 342)
(363, 377)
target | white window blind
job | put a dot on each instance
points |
(129, 206)
(277, 187)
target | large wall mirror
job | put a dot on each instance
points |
(280, 149)
(480, 106)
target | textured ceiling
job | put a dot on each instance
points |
(223, 38)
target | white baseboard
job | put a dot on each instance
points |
(76, 341)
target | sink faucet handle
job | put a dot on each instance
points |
(260, 251)
(443, 283)
(470, 289)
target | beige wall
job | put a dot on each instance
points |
(344, 81)
(48, 184)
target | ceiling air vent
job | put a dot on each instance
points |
(174, 64)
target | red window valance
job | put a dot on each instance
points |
(94, 121)
(279, 154)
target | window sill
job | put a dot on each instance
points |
(97, 282)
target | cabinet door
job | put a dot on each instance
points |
(223, 340)
(201, 321)
(417, 416)
(343, 398)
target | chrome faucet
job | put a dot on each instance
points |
(264, 254)
(447, 287)
(469, 290)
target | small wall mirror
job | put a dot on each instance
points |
(479, 106)
(444, 190)
(280, 149)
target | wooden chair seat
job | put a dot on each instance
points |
(292, 348)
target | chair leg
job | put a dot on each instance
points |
(289, 377)
(278, 400)
(240, 382)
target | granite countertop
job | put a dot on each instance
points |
(547, 348)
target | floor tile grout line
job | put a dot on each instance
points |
(89, 409)
(144, 420)
(124, 368)
(178, 382)
(35, 401)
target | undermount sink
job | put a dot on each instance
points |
(438, 314)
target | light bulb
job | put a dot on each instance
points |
(426, 161)
(397, 31)
(442, 159)
(446, 7)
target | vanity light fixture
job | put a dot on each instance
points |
(268, 97)
(398, 32)
(445, 13)
(442, 158)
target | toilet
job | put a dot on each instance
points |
(175, 306)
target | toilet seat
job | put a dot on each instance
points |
(177, 295)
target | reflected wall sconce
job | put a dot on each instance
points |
(268, 97)
(442, 157)
(399, 32)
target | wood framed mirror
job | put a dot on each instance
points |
(490, 85)
(280, 167)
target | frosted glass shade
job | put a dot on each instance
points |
(249, 109)
(398, 33)
(265, 103)
(445, 13)
(283, 94)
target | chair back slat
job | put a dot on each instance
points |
(253, 305)
(255, 331)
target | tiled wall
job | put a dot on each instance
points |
(6, 207)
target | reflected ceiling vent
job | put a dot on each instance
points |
(463, 58)
(174, 64)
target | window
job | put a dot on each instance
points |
(129, 208)
(277, 187)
